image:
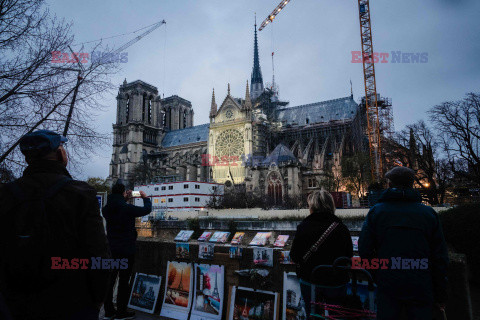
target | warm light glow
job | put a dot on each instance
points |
(426, 185)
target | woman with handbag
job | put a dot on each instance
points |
(320, 239)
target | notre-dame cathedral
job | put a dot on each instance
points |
(255, 140)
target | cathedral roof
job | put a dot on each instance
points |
(324, 111)
(139, 83)
(186, 136)
(280, 155)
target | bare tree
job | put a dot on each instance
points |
(35, 92)
(417, 147)
(458, 123)
(356, 172)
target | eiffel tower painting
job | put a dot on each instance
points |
(180, 284)
(215, 290)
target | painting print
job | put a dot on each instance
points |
(184, 235)
(205, 236)
(285, 258)
(145, 292)
(281, 241)
(355, 243)
(247, 304)
(182, 250)
(209, 285)
(293, 303)
(238, 237)
(206, 251)
(261, 239)
(178, 290)
(220, 237)
(236, 252)
(263, 256)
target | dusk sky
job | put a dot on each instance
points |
(209, 43)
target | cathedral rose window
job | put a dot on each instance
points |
(229, 143)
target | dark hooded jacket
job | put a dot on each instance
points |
(338, 244)
(75, 223)
(399, 226)
(120, 217)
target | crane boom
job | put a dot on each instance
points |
(129, 43)
(373, 122)
(274, 13)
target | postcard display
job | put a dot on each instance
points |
(355, 243)
(177, 299)
(206, 251)
(246, 303)
(144, 293)
(293, 304)
(263, 256)
(184, 235)
(209, 292)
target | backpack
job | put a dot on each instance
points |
(26, 239)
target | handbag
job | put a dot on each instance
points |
(317, 244)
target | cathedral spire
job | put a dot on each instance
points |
(213, 108)
(248, 102)
(228, 90)
(257, 80)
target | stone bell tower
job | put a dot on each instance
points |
(138, 128)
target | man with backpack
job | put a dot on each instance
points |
(122, 236)
(50, 223)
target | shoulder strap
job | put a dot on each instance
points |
(317, 244)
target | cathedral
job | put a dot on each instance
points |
(254, 140)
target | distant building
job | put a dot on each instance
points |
(184, 195)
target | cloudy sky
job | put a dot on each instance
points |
(209, 43)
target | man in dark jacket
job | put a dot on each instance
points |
(73, 229)
(407, 233)
(122, 235)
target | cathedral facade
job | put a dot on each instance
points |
(256, 140)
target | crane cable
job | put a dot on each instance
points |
(116, 36)
(273, 87)
(164, 58)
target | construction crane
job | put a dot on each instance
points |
(129, 43)
(81, 70)
(373, 121)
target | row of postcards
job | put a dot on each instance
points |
(261, 256)
(260, 239)
(196, 291)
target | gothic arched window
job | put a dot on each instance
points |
(184, 118)
(144, 106)
(150, 110)
(275, 188)
(127, 110)
(164, 118)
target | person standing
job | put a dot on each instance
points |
(47, 216)
(321, 223)
(403, 230)
(122, 235)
